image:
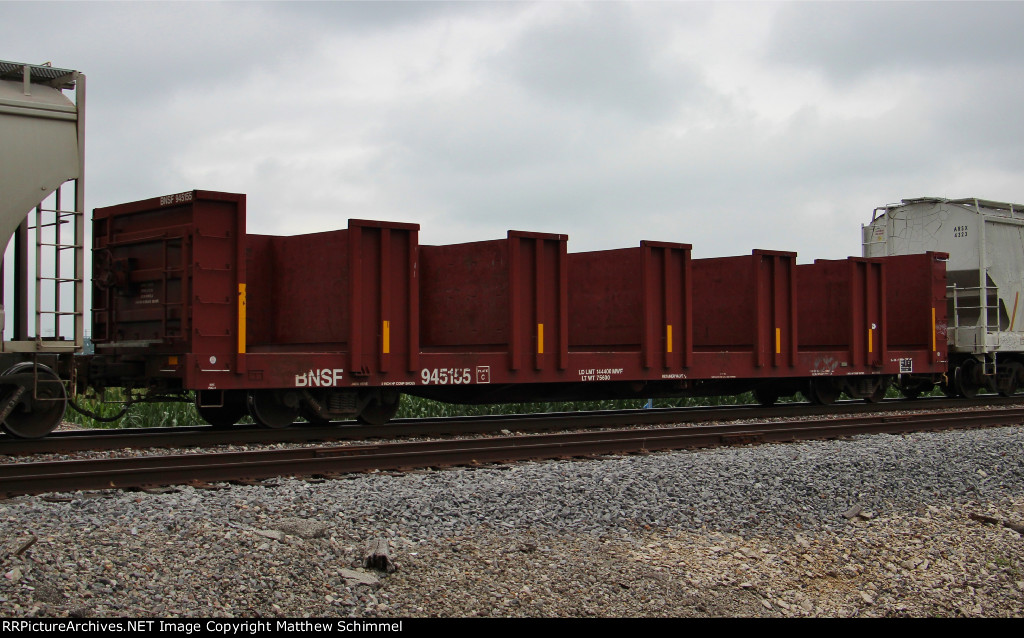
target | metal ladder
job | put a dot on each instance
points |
(59, 233)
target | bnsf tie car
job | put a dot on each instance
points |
(338, 324)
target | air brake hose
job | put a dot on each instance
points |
(96, 417)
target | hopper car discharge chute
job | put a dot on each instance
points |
(42, 229)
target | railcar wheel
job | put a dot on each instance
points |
(313, 418)
(1008, 380)
(379, 412)
(879, 393)
(914, 388)
(38, 405)
(271, 409)
(226, 415)
(822, 391)
(1009, 388)
(963, 379)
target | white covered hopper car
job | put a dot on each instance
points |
(985, 277)
(42, 226)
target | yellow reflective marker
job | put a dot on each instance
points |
(778, 341)
(540, 338)
(871, 334)
(933, 328)
(668, 335)
(387, 337)
(241, 319)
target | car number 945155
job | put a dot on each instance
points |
(445, 376)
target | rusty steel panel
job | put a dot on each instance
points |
(633, 299)
(842, 307)
(507, 295)
(309, 289)
(776, 330)
(824, 305)
(869, 333)
(606, 300)
(167, 276)
(916, 303)
(747, 304)
(384, 290)
(464, 299)
(724, 293)
(352, 290)
(261, 306)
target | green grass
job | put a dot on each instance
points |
(139, 415)
(416, 407)
(166, 414)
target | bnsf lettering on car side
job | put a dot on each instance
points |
(323, 378)
(180, 198)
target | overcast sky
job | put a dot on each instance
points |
(728, 126)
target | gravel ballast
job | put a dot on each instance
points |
(921, 524)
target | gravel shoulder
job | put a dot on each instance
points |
(915, 525)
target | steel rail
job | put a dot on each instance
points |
(102, 439)
(146, 471)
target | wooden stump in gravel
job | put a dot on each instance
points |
(378, 557)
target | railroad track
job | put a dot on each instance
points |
(206, 436)
(152, 471)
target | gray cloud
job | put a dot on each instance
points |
(612, 122)
(848, 40)
(374, 15)
(601, 58)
